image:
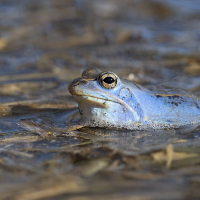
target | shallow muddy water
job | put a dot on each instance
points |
(44, 45)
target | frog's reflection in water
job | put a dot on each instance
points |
(116, 139)
(135, 141)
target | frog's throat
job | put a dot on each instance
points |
(117, 100)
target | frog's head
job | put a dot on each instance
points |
(105, 100)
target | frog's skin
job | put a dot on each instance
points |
(125, 104)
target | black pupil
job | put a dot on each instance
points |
(108, 80)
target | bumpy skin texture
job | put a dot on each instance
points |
(131, 106)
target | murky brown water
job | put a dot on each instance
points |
(44, 45)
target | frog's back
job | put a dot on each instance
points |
(172, 106)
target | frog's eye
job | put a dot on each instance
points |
(108, 80)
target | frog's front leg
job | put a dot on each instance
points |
(73, 121)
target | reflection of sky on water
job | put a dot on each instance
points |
(185, 5)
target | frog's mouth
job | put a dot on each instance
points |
(94, 100)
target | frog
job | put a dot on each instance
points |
(105, 100)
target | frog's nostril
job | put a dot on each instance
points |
(75, 82)
(83, 82)
(73, 86)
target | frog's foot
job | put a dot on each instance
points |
(74, 127)
(46, 130)
(35, 126)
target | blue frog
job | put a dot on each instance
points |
(105, 100)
